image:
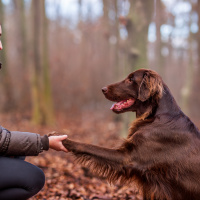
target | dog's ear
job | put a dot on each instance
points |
(151, 84)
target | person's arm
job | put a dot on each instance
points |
(15, 143)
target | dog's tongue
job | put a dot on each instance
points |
(122, 104)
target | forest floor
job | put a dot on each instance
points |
(65, 179)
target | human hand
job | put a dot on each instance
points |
(55, 142)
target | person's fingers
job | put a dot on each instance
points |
(0, 30)
(62, 137)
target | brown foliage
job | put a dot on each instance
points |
(66, 180)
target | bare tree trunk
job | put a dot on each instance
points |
(187, 88)
(116, 45)
(137, 24)
(21, 31)
(198, 10)
(47, 99)
(41, 89)
(9, 103)
(139, 18)
(83, 46)
(36, 80)
(21, 45)
(195, 97)
(158, 45)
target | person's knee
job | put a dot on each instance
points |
(38, 180)
(22, 178)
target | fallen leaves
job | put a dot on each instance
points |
(67, 180)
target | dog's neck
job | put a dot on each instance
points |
(167, 103)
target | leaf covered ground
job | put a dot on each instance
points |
(65, 179)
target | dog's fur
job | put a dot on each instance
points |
(162, 151)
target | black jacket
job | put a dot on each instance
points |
(14, 143)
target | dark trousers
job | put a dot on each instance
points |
(19, 180)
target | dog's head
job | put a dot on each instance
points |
(142, 87)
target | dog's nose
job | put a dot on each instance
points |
(104, 89)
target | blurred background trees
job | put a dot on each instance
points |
(58, 54)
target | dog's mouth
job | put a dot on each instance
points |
(121, 105)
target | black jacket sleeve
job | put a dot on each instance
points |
(15, 143)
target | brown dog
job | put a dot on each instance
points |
(162, 151)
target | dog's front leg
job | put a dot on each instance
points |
(106, 154)
(109, 163)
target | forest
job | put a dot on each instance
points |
(58, 54)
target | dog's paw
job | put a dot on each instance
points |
(69, 144)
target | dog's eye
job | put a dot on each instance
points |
(131, 79)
